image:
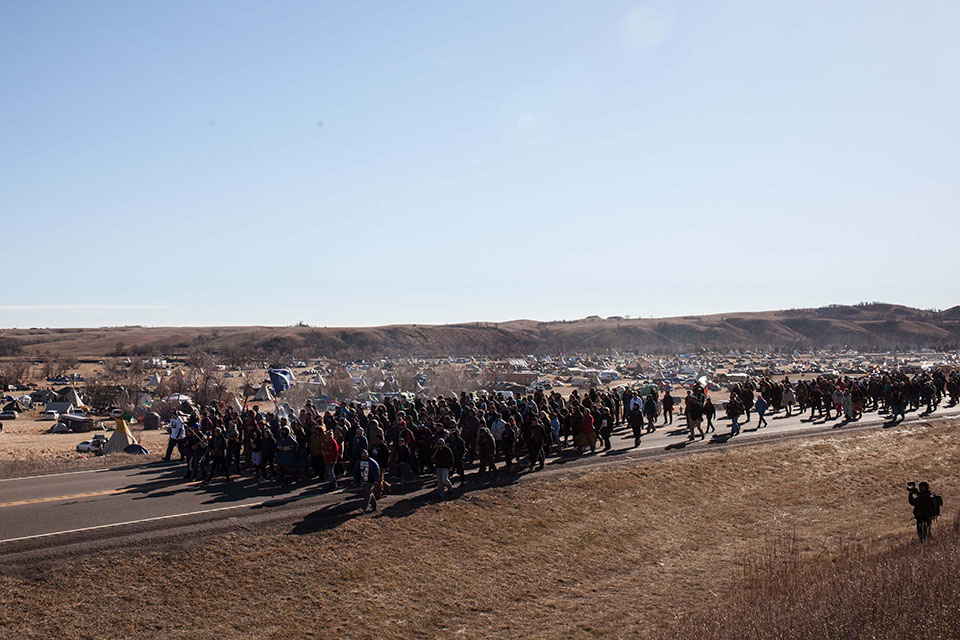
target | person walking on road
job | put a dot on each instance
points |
(218, 454)
(650, 410)
(487, 450)
(367, 475)
(761, 407)
(694, 413)
(734, 411)
(443, 462)
(331, 455)
(667, 408)
(709, 412)
(177, 433)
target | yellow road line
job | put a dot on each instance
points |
(91, 494)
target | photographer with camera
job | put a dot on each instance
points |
(926, 507)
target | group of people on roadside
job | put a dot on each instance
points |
(406, 439)
(890, 392)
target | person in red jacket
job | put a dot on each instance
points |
(331, 454)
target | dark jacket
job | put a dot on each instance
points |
(926, 506)
(443, 457)
(373, 470)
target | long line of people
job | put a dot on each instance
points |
(405, 439)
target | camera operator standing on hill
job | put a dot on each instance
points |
(926, 507)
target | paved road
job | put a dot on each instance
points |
(45, 511)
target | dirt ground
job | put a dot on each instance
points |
(596, 554)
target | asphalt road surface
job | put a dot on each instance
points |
(48, 511)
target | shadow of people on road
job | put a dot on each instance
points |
(389, 506)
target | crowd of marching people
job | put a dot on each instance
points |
(404, 439)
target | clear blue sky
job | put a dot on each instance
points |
(358, 163)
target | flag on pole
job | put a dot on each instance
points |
(280, 379)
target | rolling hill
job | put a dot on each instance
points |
(870, 326)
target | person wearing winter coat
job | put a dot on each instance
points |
(761, 407)
(536, 437)
(709, 412)
(443, 462)
(734, 411)
(650, 410)
(366, 473)
(788, 399)
(667, 408)
(317, 438)
(586, 437)
(487, 449)
(287, 448)
(330, 450)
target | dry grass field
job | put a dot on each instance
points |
(628, 552)
(27, 446)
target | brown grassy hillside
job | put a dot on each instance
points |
(875, 326)
(607, 553)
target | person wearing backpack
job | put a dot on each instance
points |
(926, 507)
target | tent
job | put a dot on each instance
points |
(263, 394)
(154, 380)
(136, 450)
(44, 396)
(72, 396)
(141, 399)
(59, 407)
(15, 405)
(121, 438)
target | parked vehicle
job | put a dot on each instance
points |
(8, 415)
(51, 415)
(77, 423)
(94, 445)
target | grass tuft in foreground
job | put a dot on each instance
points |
(909, 591)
